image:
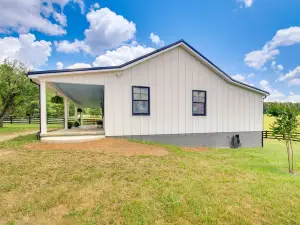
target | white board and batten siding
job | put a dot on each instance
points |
(171, 77)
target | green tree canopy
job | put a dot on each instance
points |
(15, 88)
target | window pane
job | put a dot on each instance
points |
(136, 96)
(198, 108)
(140, 107)
(202, 96)
(144, 90)
(195, 93)
(144, 97)
(196, 99)
(136, 90)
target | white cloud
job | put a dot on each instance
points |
(273, 65)
(291, 74)
(25, 15)
(79, 65)
(26, 49)
(156, 39)
(245, 3)
(277, 96)
(283, 37)
(107, 30)
(96, 5)
(257, 59)
(250, 75)
(295, 81)
(59, 65)
(276, 68)
(280, 67)
(71, 47)
(241, 78)
(121, 55)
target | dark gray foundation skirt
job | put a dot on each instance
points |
(217, 140)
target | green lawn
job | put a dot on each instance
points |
(225, 186)
(268, 120)
(15, 128)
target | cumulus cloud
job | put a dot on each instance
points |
(79, 65)
(107, 30)
(156, 39)
(26, 49)
(295, 81)
(280, 67)
(284, 37)
(243, 78)
(59, 65)
(277, 96)
(22, 16)
(291, 74)
(71, 47)
(121, 55)
(245, 3)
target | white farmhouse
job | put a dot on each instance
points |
(173, 95)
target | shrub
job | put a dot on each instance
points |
(70, 125)
(76, 124)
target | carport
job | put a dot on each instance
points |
(82, 95)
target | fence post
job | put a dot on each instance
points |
(29, 119)
(266, 134)
(11, 119)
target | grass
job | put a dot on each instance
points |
(219, 186)
(16, 128)
(268, 120)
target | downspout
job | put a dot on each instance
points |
(38, 135)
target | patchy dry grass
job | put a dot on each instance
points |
(246, 186)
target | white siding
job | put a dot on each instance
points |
(171, 77)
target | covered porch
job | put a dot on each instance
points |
(82, 96)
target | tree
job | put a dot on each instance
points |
(286, 125)
(15, 88)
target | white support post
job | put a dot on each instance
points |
(75, 113)
(43, 107)
(81, 118)
(66, 110)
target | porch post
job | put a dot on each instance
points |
(81, 118)
(66, 111)
(75, 113)
(43, 107)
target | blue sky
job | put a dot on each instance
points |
(255, 41)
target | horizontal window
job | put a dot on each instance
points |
(140, 100)
(199, 103)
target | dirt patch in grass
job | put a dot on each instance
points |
(106, 145)
(202, 149)
(4, 152)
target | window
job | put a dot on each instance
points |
(140, 100)
(199, 103)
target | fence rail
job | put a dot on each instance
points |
(50, 120)
(269, 134)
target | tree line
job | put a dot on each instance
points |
(20, 97)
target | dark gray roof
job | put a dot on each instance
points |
(140, 58)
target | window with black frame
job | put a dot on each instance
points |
(140, 100)
(199, 103)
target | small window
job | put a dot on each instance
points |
(140, 100)
(199, 103)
